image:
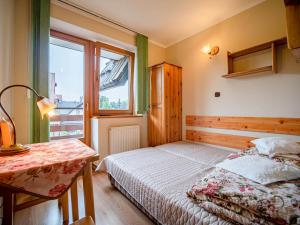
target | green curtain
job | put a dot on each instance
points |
(142, 73)
(40, 20)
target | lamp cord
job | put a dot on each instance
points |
(6, 113)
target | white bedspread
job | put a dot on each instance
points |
(159, 177)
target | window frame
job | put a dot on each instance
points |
(88, 69)
(105, 112)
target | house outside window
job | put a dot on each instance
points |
(114, 80)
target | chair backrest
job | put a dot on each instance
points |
(88, 198)
(84, 221)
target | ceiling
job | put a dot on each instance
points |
(167, 21)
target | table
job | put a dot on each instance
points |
(47, 171)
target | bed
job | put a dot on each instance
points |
(182, 183)
(156, 180)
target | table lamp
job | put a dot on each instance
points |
(44, 105)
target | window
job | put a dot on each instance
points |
(67, 86)
(114, 80)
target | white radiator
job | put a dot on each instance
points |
(124, 138)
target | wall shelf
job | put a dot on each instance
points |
(258, 48)
(248, 72)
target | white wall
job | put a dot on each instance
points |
(6, 56)
(15, 25)
(6, 48)
(14, 65)
(73, 22)
(269, 95)
(22, 29)
(100, 127)
(112, 34)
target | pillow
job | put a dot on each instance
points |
(276, 145)
(260, 169)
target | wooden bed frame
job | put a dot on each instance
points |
(289, 126)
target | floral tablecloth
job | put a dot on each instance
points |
(47, 170)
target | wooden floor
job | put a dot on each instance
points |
(111, 208)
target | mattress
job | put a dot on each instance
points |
(158, 177)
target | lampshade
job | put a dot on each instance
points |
(212, 51)
(206, 49)
(45, 106)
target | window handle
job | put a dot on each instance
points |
(97, 77)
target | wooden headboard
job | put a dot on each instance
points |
(290, 126)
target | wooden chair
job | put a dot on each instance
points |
(88, 199)
(18, 201)
(84, 221)
(23, 201)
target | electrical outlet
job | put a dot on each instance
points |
(217, 94)
(28, 94)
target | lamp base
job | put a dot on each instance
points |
(14, 149)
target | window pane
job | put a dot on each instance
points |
(66, 89)
(114, 81)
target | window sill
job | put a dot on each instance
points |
(117, 116)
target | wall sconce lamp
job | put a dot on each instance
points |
(211, 51)
(45, 107)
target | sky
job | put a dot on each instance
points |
(68, 66)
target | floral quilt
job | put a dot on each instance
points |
(47, 170)
(243, 201)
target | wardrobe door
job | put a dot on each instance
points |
(155, 117)
(175, 104)
(172, 103)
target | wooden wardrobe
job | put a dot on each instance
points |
(165, 101)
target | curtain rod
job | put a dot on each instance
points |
(97, 15)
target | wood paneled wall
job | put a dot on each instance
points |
(225, 140)
(290, 126)
(258, 124)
